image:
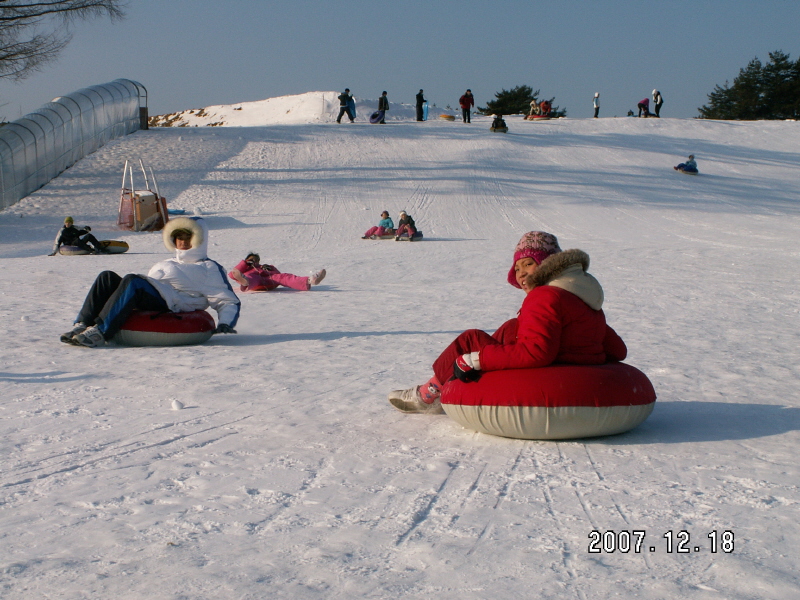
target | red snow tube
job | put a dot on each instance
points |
(149, 328)
(552, 403)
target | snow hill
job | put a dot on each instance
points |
(311, 107)
(287, 474)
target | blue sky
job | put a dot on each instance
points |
(196, 53)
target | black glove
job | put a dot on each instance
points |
(224, 328)
(465, 368)
(87, 228)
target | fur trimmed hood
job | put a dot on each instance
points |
(199, 229)
(567, 270)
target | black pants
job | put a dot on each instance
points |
(419, 112)
(596, 111)
(342, 111)
(658, 110)
(112, 298)
(465, 115)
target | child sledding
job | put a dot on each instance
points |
(252, 276)
(689, 167)
(385, 230)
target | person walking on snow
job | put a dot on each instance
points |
(345, 98)
(383, 106)
(561, 321)
(420, 104)
(252, 276)
(596, 104)
(190, 281)
(657, 101)
(466, 102)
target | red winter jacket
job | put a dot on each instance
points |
(466, 101)
(557, 326)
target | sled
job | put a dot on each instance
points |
(142, 209)
(425, 111)
(417, 237)
(538, 118)
(498, 129)
(111, 246)
(376, 117)
(447, 117)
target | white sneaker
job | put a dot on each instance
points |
(316, 277)
(91, 338)
(410, 401)
(68, 337)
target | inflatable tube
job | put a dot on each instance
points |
(447, 117)
(552, 403)
(111, 246)
(376, 117)
(149, 328)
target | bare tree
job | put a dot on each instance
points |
(33, 33)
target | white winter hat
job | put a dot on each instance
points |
(655, 91)
(597, 94)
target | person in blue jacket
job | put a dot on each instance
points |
(690, 166)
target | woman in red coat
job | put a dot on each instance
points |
(560, 321)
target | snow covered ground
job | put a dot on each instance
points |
(287, 474)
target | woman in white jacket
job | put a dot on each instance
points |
(190, 281)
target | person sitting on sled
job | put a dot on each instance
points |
(535, 109)
(498, 124)
(561, 321)
(190, 281)
(545, 108)
(384, 227)
(252, 276)
(69, 235)
(690, 166)
(406, 226)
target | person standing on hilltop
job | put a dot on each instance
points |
(657, 101)
(420, 104)
(466, 101)
(383, 106)
(596, 104)
(344, 105)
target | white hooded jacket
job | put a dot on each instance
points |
(191, 280)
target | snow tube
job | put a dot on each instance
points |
(150, 328)
(552, 403)
(111, 246)
(415, 238)
(499, 129)
(447, 117)
(376, 117)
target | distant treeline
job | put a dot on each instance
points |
(770, 91)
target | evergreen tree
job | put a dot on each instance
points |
(516, 101)
(770, 91)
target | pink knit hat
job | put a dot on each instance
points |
(537, 245)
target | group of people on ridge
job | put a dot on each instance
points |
(347, 106)
(644, 105)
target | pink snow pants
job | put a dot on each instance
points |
(472, 340)
(260, 282)
(377, 230)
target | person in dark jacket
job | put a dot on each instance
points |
(69, 235)
(383, 106)
(405, 225)
(420, 103)
(344, 105)
(466, 102)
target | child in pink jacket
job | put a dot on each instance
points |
(252, 276)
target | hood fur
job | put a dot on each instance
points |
(567, 270)
(199, 229)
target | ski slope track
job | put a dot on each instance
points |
(288, 475)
